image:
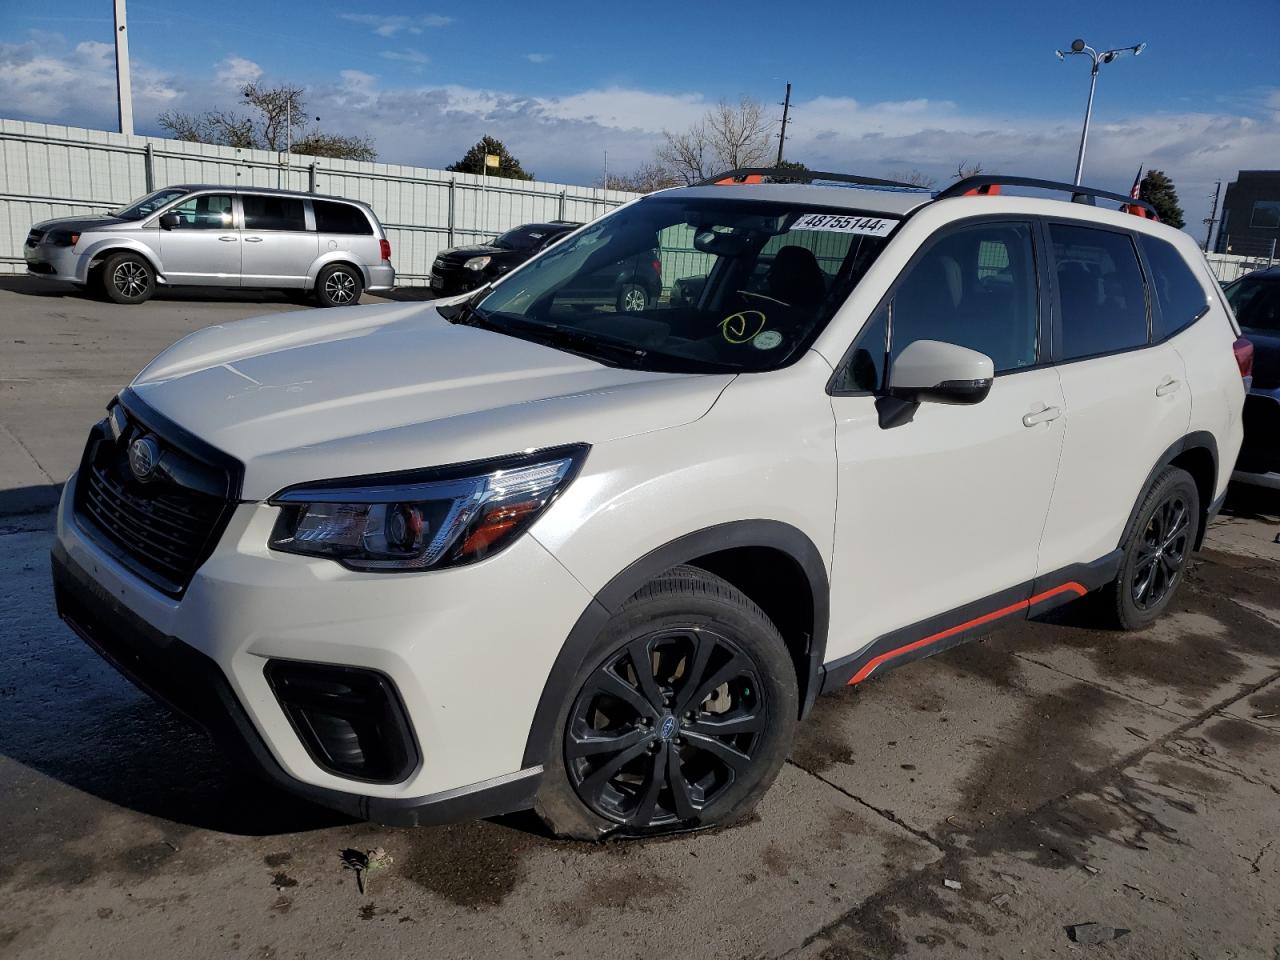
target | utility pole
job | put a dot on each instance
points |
(124, 92)
(1213, 216)
(786, 109)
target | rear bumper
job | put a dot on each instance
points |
(193, 685)
(381, 277)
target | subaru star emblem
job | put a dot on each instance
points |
(668, 727)
(144, 454)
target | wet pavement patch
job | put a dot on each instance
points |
(1238, 736)
(473, 864)
(820, 744)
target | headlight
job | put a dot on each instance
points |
(477, 263)
(427, 519)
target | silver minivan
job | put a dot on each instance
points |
(202, 235)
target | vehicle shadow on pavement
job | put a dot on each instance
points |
(32, 287)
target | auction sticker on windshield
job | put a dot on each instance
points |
(839, 223)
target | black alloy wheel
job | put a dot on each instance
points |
(1162, 552)
(681, 714)
(664, 727)
(1156, 551)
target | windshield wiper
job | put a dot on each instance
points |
(593, 346)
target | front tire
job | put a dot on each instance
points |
(1156, 551)
(127, 278)
(680, 718)
(339, 285)
(632, 298)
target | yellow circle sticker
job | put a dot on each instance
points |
(742, 326)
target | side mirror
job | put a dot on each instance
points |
(168, 221)
(930, 370)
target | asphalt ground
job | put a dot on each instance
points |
(983, 802)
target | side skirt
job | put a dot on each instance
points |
(975, 619)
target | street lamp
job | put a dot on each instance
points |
(1106, 56)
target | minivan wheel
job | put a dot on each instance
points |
(680, 718)
(127, 278)
(339, 285)
(1156, 551)
(632, 298)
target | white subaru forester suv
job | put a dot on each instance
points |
(424, 562)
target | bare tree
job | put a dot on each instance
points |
(278, 121)
(915, 178)
(729, 136)
(965, 169)
(646, 178)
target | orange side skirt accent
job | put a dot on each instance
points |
(870, 666)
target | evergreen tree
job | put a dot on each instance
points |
(473, 161)
(1158, 190)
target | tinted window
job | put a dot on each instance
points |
(209, 211)
(1100, 292)
(975, 287)
(1182, 300)
(866, 364)
(523, 238)
(1256, 303)
(272, 213)
(339, 218)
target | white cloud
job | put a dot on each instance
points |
(406, 56)
(538, 57)
(234, 72)
(564, 137)
(389, 26)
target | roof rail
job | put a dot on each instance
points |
(983, 183)
(758, 175)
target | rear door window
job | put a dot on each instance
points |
(1182, 300)
(340, 218)
(262, 212)
(1102, 297)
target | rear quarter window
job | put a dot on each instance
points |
(1181, 297)
(340, 218)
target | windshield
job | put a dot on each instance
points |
(692, 284)
(1256, 303)
(521, 238)
(139, 209)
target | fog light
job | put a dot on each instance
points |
(350, 719)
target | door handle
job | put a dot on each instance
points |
(1167, 386)
(252, 239)
(227, 239)
(1041, 416)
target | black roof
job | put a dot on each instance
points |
(237, 188)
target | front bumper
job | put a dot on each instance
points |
(468, 650)
(49, 262)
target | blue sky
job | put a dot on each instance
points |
(879, 88)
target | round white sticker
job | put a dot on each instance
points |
(767, 340)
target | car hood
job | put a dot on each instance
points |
(475, 250)
(77, 223)
(312, 395)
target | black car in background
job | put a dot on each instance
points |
(461, 269)
(628, 286)
(1255, 298)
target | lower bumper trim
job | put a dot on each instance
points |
(194, 686)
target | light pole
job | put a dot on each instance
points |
(1106, 56)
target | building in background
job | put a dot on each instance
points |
(1250, 224)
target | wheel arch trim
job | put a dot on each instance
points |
(609, 599)
(330, 257)
(101, 249)
(1196, 440)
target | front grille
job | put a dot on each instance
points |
(163, 528)
(34, 238)
(39, 266)
(1261, 450)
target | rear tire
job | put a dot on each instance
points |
(1156, 551)
(127, 278)
(339, 285)
(680, 717)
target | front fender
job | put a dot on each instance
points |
(98, 250)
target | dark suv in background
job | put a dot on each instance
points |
(627, 286)
(1255, 298)
(461, 269)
